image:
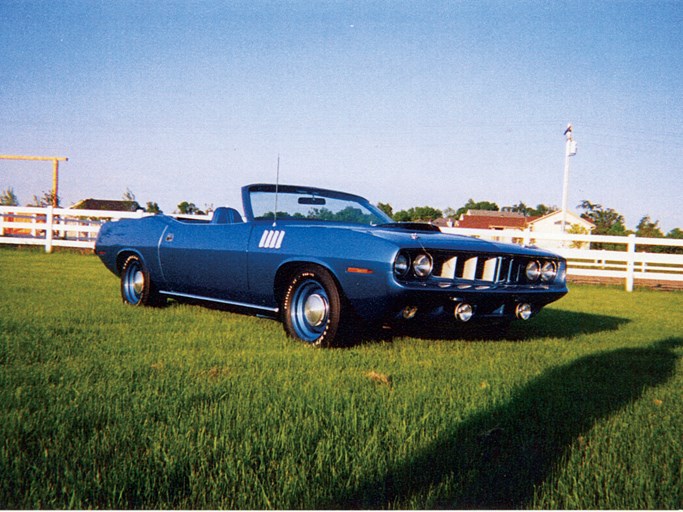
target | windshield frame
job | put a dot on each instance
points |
(379, 217)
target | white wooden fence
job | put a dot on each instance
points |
(631, 262)
(59, 227)
(62, 227)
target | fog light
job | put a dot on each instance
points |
(409, 312)
(523, 311)
(463, 312)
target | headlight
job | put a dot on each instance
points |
(548, 271)
(422, 265)
(401, 264)
(562, 271)
(533, 270)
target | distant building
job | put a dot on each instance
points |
(508, 220)
(485, 219)
(110, 205)
(552, 223)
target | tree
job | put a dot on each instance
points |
(523, 209)
(128, 195)
(386, 208)
(153, 208)
(418, 213)
(607, 221)
(427, 213)
(481, 205)
(189, 209)
(45, 200)
(403, 216)
(576, 229)
(449, 213)
(676, 233)
(129, 198)
(9, 198)
(542, 210)
(648, 229)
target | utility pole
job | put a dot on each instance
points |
(55, 169)
(569, 150)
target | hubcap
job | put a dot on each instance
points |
(315, 310)
(310, 310)
(138, 282)
(133, 283)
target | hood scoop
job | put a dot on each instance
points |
(411, 226)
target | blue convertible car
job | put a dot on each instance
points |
(330, 265)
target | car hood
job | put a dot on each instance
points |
(447, 241)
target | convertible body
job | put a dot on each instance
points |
(327, 264)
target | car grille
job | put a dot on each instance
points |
(478, 267)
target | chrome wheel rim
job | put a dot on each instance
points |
(133, 283)
(310, 311)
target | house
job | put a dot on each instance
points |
(485, 219)
(508, 220)
(552, 223)
(110, 205)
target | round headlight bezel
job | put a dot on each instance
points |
(401, 264)
(532, 271)
(423, 265)
(463, 312)
(548, 271)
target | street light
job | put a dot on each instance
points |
(570, 150)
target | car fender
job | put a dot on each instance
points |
(276, 251)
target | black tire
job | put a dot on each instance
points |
(137, 289)
(312, 308)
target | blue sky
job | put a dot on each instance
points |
(410, 103)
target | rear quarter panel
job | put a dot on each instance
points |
(132, 236)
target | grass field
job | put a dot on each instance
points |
(108, 406)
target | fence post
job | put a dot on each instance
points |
(630, 262)
(48, 229)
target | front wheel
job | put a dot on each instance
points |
(137, 288)
(312, 307)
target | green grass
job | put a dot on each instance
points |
(107, 406)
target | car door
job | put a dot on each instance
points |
(206, 260)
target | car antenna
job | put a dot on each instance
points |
(277, 186)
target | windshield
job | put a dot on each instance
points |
(314, 204)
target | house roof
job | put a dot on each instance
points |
(441, 222)
(572, 218)
(112, 205)
(483, 219)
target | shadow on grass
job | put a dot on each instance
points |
(495, 459)
(558, 323)
(550, 323)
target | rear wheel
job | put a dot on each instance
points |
(137, 288)
(312, 307)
